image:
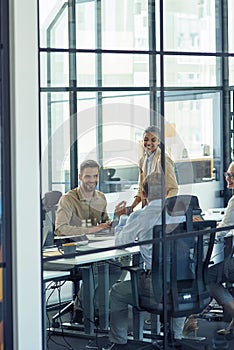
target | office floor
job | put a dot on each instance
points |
(65, 338)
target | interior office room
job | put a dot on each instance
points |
(83, 79)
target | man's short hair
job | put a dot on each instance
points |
(152, 186)
(89, 163)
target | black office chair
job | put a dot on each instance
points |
(49, 207)
(108, 182)
(178, 268)
(50, 203)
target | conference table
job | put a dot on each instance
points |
(86, 256)
(99, 250)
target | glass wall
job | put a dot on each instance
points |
(107, 70)
(105, 77)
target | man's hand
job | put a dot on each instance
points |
(136, 201)
(121, 209)
(100, 227)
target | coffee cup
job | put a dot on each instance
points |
(69, 248)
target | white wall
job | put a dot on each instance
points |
(25, 175)
(207, 193)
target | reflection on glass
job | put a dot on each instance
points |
(110, 118)
(86, 126)
(127, 31)
(56, 147)
(196, 138)
(193, 120)
(190, 28)
(85, 25)
(55, 141)
(54, 69)
(126, 110)
(124, 119)
(125, 70)
(192, 71)
(85, 69)
(53, 16)
(231, 70)
(231, 26)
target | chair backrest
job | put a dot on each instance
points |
(184, 205)
(49, 207)
(51, 200)
(179, 265)
(179, 205)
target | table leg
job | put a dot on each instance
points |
(88, 299)
(103, 295)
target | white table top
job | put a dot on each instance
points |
(51, 275)
(95, 257)
(214, 214)
(102, 235)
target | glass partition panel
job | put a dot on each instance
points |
(86, 69)
(55, 140)
(122, 132)
(124, 119)
(53, 17)
(192, 71)
(54, 69)
(135, 98)
(190, 28)
(128, 31)
(86, 126)
(193, 118)
(125, 70)
(231, 26)
(231, 70)
(85, 24)
(122, 81)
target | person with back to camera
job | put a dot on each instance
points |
(217, 274)
(85, 203)
(139, 224)
(151, 162)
